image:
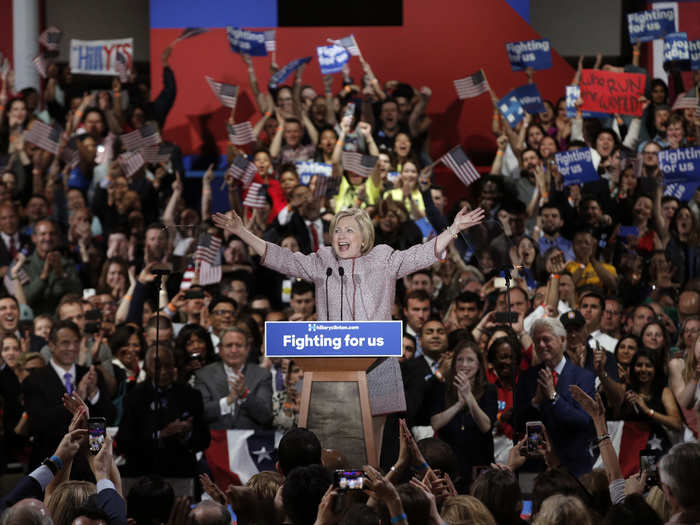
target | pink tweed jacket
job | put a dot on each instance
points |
(369, 281)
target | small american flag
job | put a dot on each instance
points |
(40, 64)
(145, 136)
(208, 249)
(187, 277)
(157, 154)
(243, 170)
(131, 162)
(321, 188)
(45, 136)
(359, 163)
(270, 44)
(50, 38)
(70, 153)
(256, 196)
(226, 93)
(121, 66)
(457, 161)
(472, 86)
(189, 32)
(240, 134)
(348, 43)
(685, 101)
(209, 273)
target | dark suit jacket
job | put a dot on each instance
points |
(5, 258)
(114, 506)
(297, 227)
(254, 413)
(27, 487)
(145, 451)
(569, 426)
(417, 380)
(43, 393)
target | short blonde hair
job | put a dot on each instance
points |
(457, 510)
(562, 510)
(265, 484)
(363, 221)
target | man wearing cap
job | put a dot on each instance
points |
(580, 348)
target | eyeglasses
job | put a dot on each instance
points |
(612, 312)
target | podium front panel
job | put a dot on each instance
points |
(335, 416)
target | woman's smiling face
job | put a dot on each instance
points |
(347, 238)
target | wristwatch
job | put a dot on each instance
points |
(53, 466)
(554, 397)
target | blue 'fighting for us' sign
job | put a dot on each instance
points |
(333, 339)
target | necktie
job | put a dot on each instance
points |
(13, 249)
(314, 235)
(279, 379)
(68, 383)
(555, 376)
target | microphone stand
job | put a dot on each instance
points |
(506, 273)
(160, 271)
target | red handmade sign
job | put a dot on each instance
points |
(607, 92)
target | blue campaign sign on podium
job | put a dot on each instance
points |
(333, 339)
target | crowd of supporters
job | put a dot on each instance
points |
(583, 372)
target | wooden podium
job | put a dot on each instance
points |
(335, 406)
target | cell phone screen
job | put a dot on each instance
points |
(535, 436)
(649, 464)
(348, 479)
(96, 434)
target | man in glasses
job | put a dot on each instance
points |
(222, 315)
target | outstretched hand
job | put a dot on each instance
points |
(229, 222)
(466, 219)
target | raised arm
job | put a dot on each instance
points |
(328, 90)
(463, 220)
(255, 88)
(206, 191)
(414, 123)
(231, 222)
(276, 143)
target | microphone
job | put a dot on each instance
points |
(341, 272)
(329, 272)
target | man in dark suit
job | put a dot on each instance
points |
(163, 424)
(12, 241)
(43, 391)
(237, 394)
(421, 372)
(542, 394)
(302, 218)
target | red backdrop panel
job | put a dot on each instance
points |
(440, 41)
(6, 28)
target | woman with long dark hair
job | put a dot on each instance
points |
(625, 349)
(193, 350)
(649, 411)
(464, 408)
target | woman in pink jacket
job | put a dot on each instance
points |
(354, 279)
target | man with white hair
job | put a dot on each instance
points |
(542, 394)
(679, 472)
